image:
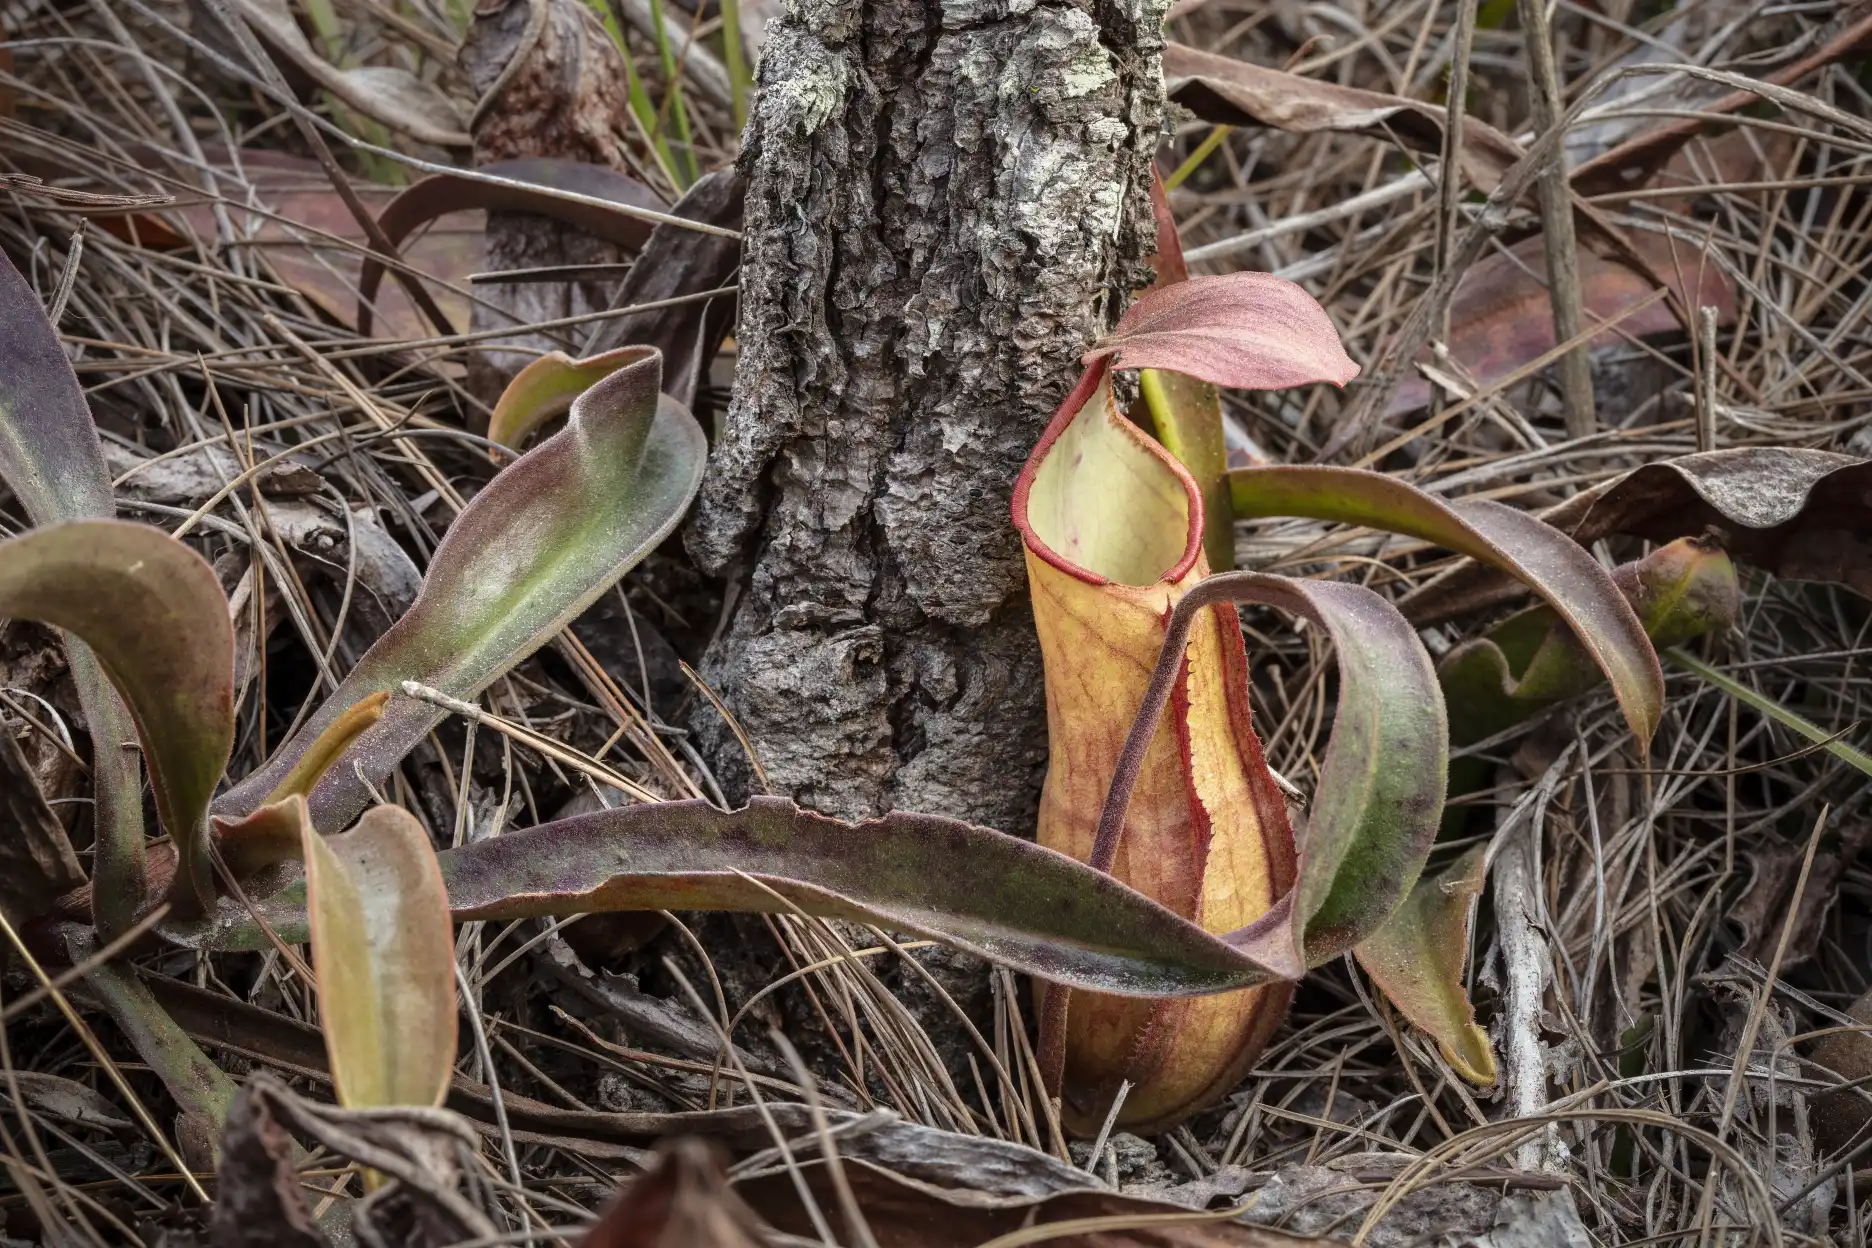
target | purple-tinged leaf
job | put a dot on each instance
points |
(983, 891)
(1380, 793)
(155, 617)
(1542, 557)
(51, 460)
(1417, 959)
(1532, 661)
(549, 534)
(50, 456)
(1252, 331)
(1802, 514)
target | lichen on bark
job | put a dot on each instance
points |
(945, 204)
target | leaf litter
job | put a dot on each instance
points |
(211, 315)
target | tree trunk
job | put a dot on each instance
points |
(945, 204)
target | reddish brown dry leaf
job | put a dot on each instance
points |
(677, 262)
(683, 1202)
(1502, 316)
(1633, 164)
(1228, 91)
(445, 194)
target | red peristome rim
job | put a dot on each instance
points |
(1023, 484)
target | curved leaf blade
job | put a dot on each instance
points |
(574, 192)
(983, 891)
(50, 456)
(1802, 514)
(154, 615)
(1252, 331)
(546, 389)
(51, 459)
(1531, 661)
(534, 548)
(1380, 794)
(1230, 91)
(1417, 958)
(1541, 556)
(383, 949)
(1381, 786)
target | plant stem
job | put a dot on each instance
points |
(1556, 208)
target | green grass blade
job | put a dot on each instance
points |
(740, 76)
(1772, 709)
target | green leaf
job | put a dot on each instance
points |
(546, 388)
(384, 953)
(1531, 661)
(155, 616)
(1537, 554)
(50, 456)
(199, 1087)
(549, 534)
(1418, 958)
(1380, 793)
(51, 460)
(983, 891)
(329, 747)
(1186, 416)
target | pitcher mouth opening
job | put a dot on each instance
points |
(1153, 557)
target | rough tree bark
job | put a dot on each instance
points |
(945, 203)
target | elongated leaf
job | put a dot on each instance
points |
(201, 1089)
(1252, 331)
(594, 199)
(1804, 515)
(384, 951)
(51, 460)
(1542, 557)
(50, 456)
(1229, 91)
(1531, 661)
(1380, 794)
(1418, 957)
(980, 890)
(544, 390)
(682, 261)
(330, 746)
(1773, 710)
(154, 615)
(531, 551)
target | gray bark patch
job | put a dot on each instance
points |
(945, 205)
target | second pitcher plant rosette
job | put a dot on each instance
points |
(1113, 528)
